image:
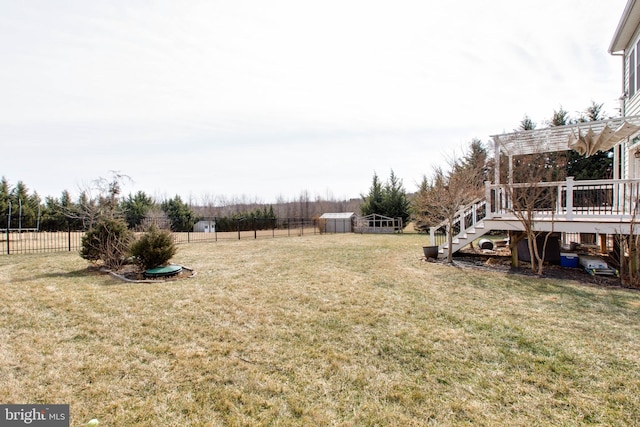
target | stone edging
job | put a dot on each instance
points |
(125, 279)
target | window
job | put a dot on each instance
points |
(632, 73)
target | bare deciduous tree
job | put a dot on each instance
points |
(528, 198)
(628, 248)
(98, 200)
(441, 197)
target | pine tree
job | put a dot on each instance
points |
(374, 201)
(25, 207)
(395, 202)
(5, 198)
(136, 208)
(388, 200)
(179, 213)
(596, 166)
(526, 123)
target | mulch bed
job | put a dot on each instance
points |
(132, 273)
(501, 261)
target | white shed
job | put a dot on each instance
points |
(337, 222)
(204, 226)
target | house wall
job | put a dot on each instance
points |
(632, 104)
(629, 164)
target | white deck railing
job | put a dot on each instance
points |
(597, 199)
(466, 218)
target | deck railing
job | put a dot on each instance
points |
(572, 199)
(466, 218)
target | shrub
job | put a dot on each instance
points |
(107, 241)
(154, 248)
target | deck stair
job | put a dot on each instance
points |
(468, 226)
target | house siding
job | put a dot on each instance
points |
(632, 107)
(629, 164)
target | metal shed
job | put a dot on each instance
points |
(338, 222)
(204, 226)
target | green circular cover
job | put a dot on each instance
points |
(168, 270)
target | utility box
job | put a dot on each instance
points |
(592, 263)
(552, 252)
(568, 259)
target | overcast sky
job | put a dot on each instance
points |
(272, 98)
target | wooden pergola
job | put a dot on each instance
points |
(586, 138)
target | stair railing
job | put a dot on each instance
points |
(466, 218)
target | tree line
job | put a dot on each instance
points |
(388, 198)
(21, 208)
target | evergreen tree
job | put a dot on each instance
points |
(475, 161)
(560, 118)
(374, 202)
(136, 208)
(179, 213)
(593, 113)
(25, 207)
(596, 166)
(526, 123)
(395, 202)
(558, 160)
(388, 200)
(5, 198)
(52, 217)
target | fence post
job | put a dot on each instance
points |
(69, 234)
(8, 228)
(255, 230)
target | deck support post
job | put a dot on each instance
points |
(487, 197)
(569, 207)
(514, 238)
(603, 243)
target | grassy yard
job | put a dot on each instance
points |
(349, 330)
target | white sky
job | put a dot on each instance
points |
(269, 98)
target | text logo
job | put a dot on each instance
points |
(34, 415)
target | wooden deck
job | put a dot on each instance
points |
(595, 206)
(601, 207)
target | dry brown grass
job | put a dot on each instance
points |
(343, 330)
